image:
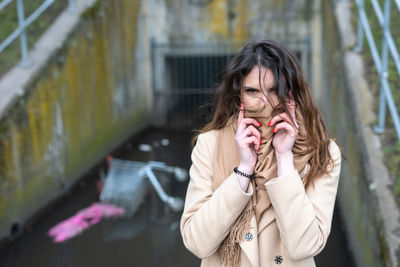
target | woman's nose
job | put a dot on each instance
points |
(264, 98)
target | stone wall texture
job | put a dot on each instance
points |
(83, 103)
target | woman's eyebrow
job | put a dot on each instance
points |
(249, 87)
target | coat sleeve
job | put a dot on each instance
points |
(208, 216)
(304, 217)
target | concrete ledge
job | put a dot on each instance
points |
(14, 83)
(385, 206)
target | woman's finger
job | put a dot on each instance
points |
(251, 130)
(282, 117)
(287, 127)
(241, 113)
(247, 121)
(252, 140)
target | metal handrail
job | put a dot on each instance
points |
(24, 23)
(381, 61)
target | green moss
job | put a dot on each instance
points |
(92, 12)
(9, 23)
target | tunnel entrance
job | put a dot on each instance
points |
(192, 81)
(185, 77)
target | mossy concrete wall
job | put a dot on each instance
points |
(82, 104)
(343, 96)
(354, 198)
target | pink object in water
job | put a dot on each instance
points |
(76, 224)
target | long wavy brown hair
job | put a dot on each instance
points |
(288, 76)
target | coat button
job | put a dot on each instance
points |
(248, 236)
(278, 259)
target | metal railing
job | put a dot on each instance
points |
(23, 23)
(381, 61)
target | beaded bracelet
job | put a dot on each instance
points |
(250, 176)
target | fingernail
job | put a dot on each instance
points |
(259, 123)
(273, 130)
(269, 124)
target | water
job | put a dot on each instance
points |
(150, 238)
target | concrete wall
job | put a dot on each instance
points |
(353, 195)
(80, 105)
(366, 202)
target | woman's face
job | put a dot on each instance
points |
(251, 93)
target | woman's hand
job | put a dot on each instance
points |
(247, 139)
(285, 132)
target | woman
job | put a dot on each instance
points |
(265, 170)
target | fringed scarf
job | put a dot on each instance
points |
(226, 158)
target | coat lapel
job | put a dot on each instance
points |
(250, 248)
(266, 219)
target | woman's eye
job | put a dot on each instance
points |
(251, 90)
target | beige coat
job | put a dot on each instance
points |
(293, 230)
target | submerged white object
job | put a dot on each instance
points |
(145, 148)
(181, 174)
(175, 204)
(165, 142)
